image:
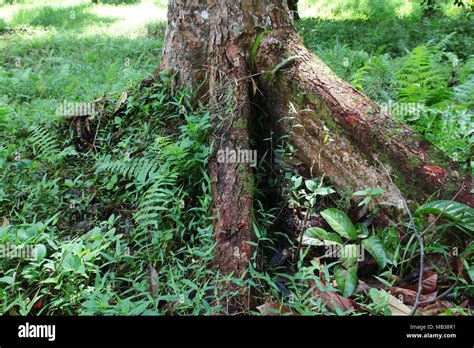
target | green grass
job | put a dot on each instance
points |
(76, 57)
(73, 18)
(385, 56)
(128, 210)
(67, 202)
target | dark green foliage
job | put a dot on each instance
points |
(121, 222)
(94, 252)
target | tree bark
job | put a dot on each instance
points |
(365, 144)
(209, 43)
(293, 7)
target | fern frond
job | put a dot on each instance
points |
(44, 142)
(159, 205)
(421, 79)
(140, 169)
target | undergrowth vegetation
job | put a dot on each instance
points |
(420, 70)
(106, 221)
(113, 208)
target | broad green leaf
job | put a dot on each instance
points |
(297, 180)
(312, 241)
(346, 280)
(71, 262)
(365, 201)
(351, 281)
(374, 246)
(7, 280)
(471, 274)
(311, 185)
(349, 255)
(375, 296)
(370, 191)
(458, 212)
(340, 222)
(324, 191)
(362, 230)
(340, 276)
(321, 234)
(40, 251)
(470, 270)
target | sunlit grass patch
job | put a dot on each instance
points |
(74, 51)
(113, 18)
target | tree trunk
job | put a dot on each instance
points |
(209, 43)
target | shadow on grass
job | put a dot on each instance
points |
(72, 17)
(156, 29)
(66, 66)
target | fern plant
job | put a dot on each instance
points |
(140, 169)
(441, 87)
(46, 145)
(421, 80)
(463, 92)
(374, 77)
(44, 142)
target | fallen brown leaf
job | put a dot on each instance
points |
(334, 300)
(464, 303)
(436, 308)
(273, 309)
(153, 281)
(361, 287)
(331, 299)
(429, 284)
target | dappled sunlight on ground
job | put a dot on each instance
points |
(132, 18)
(75, 50)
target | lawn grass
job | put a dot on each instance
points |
(86, 209)
(74, 51)
(378, 48)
